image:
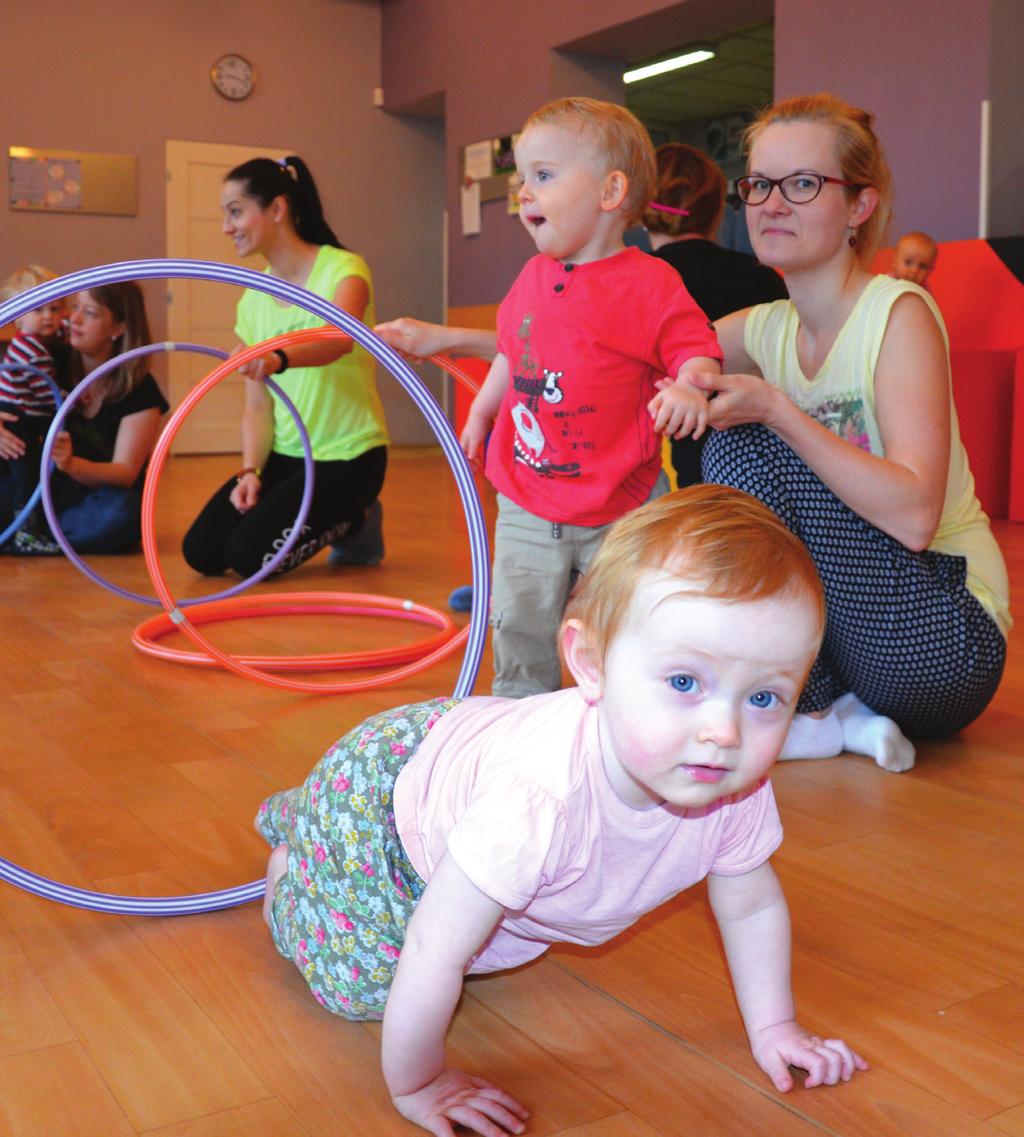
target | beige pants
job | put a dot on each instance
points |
(536, 564)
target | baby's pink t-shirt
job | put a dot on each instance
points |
(516, 791)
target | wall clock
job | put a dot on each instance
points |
(233, 76)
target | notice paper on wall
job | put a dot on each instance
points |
(478, 161)
(471, 210)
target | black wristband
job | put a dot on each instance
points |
(283, 358)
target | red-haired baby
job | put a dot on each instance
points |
(464, 836)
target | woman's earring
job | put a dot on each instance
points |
(851, 240)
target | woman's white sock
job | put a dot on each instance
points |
(811, 737)
(880, 738)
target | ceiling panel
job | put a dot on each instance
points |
(739, 78)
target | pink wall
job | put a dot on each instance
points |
(126, 75)
(923, 70)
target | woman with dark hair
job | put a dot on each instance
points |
(101, 457)
(682, 224)
(273, 209)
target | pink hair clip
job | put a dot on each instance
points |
(668, 209)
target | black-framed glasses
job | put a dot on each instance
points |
(797, 189)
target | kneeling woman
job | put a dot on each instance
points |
(274, 209)
(839, 415)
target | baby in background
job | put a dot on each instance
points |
(585, 336)
(914, 258)
(27, 401)
(464, 836)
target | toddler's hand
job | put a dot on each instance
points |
(826, 1060)
(678, 410)
(468, 1101)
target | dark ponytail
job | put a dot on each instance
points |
(265, 179)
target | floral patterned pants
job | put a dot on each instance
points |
(340, 911)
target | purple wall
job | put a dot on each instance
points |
(923, 78)
(496, 63)
(923, 72)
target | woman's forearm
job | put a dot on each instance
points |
(315, 353)
(474, 341)
(889, 495)
(94, 474)
(257, 436)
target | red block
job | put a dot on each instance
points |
(983, 391)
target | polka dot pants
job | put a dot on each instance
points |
(903, 633)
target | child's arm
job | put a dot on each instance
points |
(681, 408)
(754, 922)
(485, 408)
(451, 922)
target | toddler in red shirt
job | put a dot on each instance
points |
(585, 337)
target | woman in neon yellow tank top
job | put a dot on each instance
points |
(273, 208)
(853, 441)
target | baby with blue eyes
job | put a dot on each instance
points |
(489, 828)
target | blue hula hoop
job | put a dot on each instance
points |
(407, 378)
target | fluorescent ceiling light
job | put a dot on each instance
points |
(687, 60)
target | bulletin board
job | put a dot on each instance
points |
(490, 163)
(71, 181)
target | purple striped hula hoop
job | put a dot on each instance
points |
(51, 510)
(414, 387)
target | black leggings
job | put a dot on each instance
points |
(221, 538)
(903, 633)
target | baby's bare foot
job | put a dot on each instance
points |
(277, 866)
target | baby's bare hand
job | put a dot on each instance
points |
(454, 1096)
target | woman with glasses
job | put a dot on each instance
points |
(836, 411)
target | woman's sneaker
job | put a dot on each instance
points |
(366, 547)
(26, 544)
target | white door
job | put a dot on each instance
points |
(201, 311)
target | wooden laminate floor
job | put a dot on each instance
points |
(128, 774)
